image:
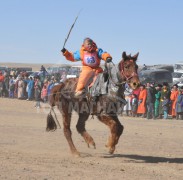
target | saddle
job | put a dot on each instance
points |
(103, 85)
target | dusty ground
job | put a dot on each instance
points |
(148, 149)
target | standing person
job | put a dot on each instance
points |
(165, 106)
(1, 84)
(44, 94)
(179, 104)
(128, 93)
(141, 110)
(16, 87)
(20, 88)
(6, 83)
(173, 98)
(49, 88)
(11, 87)
(37, 90)
(30, 89)
(165, 91)
(43, 69)
(157, 100)
(137, 92)
(63, 76)
(26, 81)
(150, 100)
(134, 104)
(90, 55)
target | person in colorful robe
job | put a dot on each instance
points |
(91, 56)
(173, 98)
(142, 101)
(165, 91)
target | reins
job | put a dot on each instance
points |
(123, 74)
(110, 76)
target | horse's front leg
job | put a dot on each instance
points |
(116, 130)
(81, 129)
(67, 131)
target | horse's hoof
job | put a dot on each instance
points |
(94, 146)
(111, 150)
(76, 154)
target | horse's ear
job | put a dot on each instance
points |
(135, 56)
(124, 55)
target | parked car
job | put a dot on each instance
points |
(177, 77)
(178, 67)
(180, 84)
(156, 75)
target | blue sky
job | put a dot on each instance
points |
(33, 31)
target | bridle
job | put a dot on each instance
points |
(120, 72)
(127, 78)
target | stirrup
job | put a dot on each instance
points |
(78, 94)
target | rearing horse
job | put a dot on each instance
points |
(104, 107)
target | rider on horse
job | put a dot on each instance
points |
(90, 56)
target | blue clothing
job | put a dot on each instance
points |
(165, 114)
(30, 86)
(77, 56)
(179, 104)
(165, 105)
(50, 86)
(134, 104)
(26, 81)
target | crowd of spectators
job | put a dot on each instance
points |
(155, 101)
(24, 87)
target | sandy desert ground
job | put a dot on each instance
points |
(148, 149)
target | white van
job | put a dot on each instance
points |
(177, 77)
(178, 67)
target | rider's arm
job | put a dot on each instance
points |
(72, 56)
(103, 55)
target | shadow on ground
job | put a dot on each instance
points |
(146, 159)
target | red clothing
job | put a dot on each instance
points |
(173, 98)
(137, 92)
(1, 78)
(44, 92)
(142, 106)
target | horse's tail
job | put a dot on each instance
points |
(51, 123)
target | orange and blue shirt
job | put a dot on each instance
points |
(91, 59)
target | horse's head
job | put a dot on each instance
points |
(128, 70)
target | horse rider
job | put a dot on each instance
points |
(90, 55)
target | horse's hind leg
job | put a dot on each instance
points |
(81, 129)
(116, 130)
(67, 131)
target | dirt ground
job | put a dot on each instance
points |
(148, 149)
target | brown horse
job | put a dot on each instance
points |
(105, 106)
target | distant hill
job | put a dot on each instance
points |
(35, 67)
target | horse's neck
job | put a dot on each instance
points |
(115, 74)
